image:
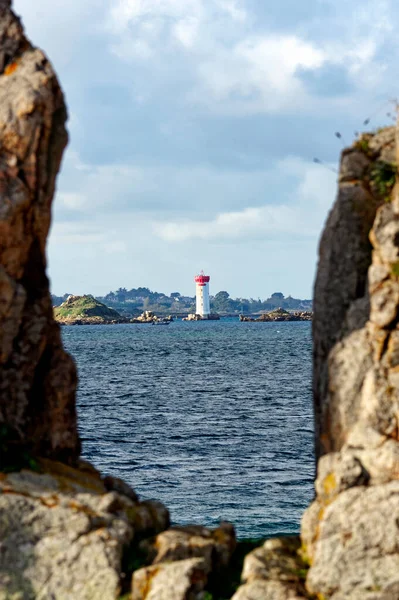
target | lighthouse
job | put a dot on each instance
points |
(202, 295)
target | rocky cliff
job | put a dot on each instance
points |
(66, 531)
(37, 378)
(351, 531)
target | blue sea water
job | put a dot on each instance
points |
(212, 418)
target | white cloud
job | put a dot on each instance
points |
(115, 247)
(124, 12)
(302, 217)
(234, 9)
(263, 68)
(72, 201)
(248, 223)
(186, 31)
(238, 66)
(141, 26)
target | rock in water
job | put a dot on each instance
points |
(37, 377)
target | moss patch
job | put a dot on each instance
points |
(13, 455)
(382, 178)
(363, 144)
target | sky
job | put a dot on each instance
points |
(194, 125)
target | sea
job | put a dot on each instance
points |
(212, 418)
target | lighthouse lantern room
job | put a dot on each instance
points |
(202, 295)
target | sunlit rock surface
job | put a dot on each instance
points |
(351, 532)
(37, 377)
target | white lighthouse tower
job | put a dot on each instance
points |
(202, 295)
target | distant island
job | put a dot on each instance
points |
(85, 310)
(131, 303)
(279, 314)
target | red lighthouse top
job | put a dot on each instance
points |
(202, 279)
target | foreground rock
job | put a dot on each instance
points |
(184, 561)
(63, 534)
(275, 571)
(86, 310)
(37, 377)
(351, 531)
(355, 551)
(182, 580)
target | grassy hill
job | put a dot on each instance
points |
(85, 309)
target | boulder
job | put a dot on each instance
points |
(61, 535)
(64, 536)
(357, 552)
(214, 546)
(180, 580)
(274, 571)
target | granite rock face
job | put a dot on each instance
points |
(350, 534)
(63, 534)
(274, 571)
(179, 580)
(183, 562)
(37, 377)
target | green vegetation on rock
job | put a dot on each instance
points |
(86, 309)
(383, 177)
(14, 456)
(395, 269)
(363, 144)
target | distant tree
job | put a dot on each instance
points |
(222, 302)
(276, 300)
(175, 295)
(121, 294)
(110, 297)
